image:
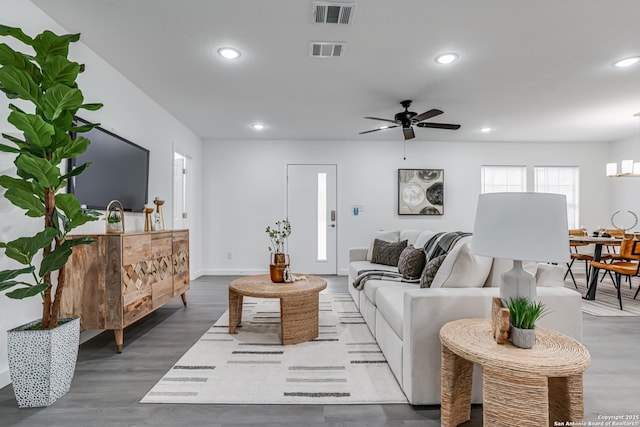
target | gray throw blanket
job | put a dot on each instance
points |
(442, 243)
(365, 275)
(439, 244)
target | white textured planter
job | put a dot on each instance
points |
(42, 363)
(523, 338)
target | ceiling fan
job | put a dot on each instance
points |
(408, 118)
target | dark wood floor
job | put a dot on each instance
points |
(108, 386)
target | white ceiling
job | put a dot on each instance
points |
(533, 70)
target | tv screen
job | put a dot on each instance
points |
(119, 170)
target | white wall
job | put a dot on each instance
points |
(127, 112)
(624, 192)
(246, 188)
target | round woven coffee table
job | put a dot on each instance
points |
(528, 387)
(298, 304)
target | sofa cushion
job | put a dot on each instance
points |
(411, 262)
(430, 271)
(387, 253)
(410, 236)
(549, 275)
(423, 238)
(387, 236)
(360, 266)
(372, 287)
(462, 269)
(390, 303)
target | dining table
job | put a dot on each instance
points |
(598, 242)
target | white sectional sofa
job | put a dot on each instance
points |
(406, 319)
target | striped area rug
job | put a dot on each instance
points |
(344, 365)
(606, 302)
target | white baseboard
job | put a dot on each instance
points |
(247, 272)
(195, 274)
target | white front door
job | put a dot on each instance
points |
(311, 209)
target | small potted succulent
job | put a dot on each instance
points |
(279, 259)
(114, 222)
(524, 313)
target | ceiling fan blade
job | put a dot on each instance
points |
(382, 120)
(439, 126)
(376, 130)
(408, 133)
(426, 115)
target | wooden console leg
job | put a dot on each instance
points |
(184, 299)
(119, 339)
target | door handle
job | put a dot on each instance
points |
(332, 225)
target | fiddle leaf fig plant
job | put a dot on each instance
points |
(45, 81)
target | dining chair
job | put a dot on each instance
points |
(613, 253)
(629, 266)
(580, 256)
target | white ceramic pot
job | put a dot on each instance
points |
(42, 362)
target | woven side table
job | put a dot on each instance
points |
(532, 387)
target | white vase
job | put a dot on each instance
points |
(523, 338)
(42, 362)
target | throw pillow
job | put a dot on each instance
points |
(411, 263)
(462, 269)
(430, 271)
(387, 253)
(549, 275)
(387, 236)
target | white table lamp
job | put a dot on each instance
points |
(521, 227)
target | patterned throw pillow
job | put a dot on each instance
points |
(411, 263)
(430, 271)
(387, 253)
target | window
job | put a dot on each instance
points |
(495, 179)
(561, 180)
(322, 216)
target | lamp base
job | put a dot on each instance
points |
(517, 283)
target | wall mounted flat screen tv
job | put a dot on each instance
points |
(119, 170)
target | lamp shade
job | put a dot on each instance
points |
(522, 226)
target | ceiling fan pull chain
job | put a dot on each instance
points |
(404, 149)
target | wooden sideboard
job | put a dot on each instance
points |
(121, 278)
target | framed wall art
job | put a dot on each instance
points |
(420, 191)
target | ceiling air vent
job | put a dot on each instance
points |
(333, 13)
(326, 49)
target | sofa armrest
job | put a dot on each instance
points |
(427, 310)
(358, 254)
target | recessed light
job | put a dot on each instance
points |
(383, 127)
(229, 52)
(486, 129)
(258, 126)
(446, 58)
(626, 62)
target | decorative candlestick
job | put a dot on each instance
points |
(158, 224)
(148, 225)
